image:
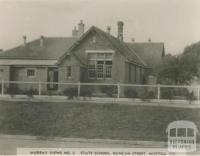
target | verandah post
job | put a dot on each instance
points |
(40, 88)
(79, 89)
(118, 90)
(158, 91)
(2, 87)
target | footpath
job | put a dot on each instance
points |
(104, 100)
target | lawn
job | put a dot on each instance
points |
(81, 120)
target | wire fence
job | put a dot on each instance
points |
(117, 90)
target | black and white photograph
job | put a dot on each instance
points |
(100, 77)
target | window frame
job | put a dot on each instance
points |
(31, 76)
(96, 64)
(69, 76)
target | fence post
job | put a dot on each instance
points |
(79, 89)
(118, 90)
(39, 89)
(198, 96)
(2, 87)
(158, 92)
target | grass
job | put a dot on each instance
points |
(80, 120)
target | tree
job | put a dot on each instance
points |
(178, 69)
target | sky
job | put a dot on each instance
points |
(174, 22)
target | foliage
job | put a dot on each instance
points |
(178, 70)
(31, 92)
(71, 92)
(86, 91)
(130, 92)
(13, 90)
(109, 90)
(167, 93)
(147, 95)
(190, 97)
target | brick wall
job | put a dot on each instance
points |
(5, 73)
(20, 74)
(92, 42)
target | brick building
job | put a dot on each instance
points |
(92, 56)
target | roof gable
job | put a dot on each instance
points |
(122, 47)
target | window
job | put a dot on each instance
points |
(190, 132)
(30, 72)
(129, 73)
(173, 132)
(100, 71)
(91, 69)
(69, 71)
(100, 65)
(108, 67)
(181, 132)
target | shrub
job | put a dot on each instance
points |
(86, 91)
(180, 92)
(13, 90)
(167, 93)
(109, 90)
(147, 95)
(190, 97)
(31, 92)
(130, 93)
(47, 92)
(71, 92)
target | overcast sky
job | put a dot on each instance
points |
(174, 22)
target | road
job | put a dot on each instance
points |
(8, 145)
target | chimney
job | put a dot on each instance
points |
(24, 39)
(120, 30)
(133, 39)
(149, 39)
(108, 29)
(80, 28)
(75, 32)
(41, 41)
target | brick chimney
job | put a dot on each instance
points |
(41, 41)
(120, 30)
(108, 29)
(80, 28)
(75, 32)
(24, 40)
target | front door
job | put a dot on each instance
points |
(52, 78)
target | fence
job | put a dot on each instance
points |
(118, 90)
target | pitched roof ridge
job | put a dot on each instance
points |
(124, 44)
(145, 42)
(136, 54)
(57, 37)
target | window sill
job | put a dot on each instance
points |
(100, 78)
(31, 77)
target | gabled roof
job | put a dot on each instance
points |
(52, 49)
(122, 47)
(150, 52)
